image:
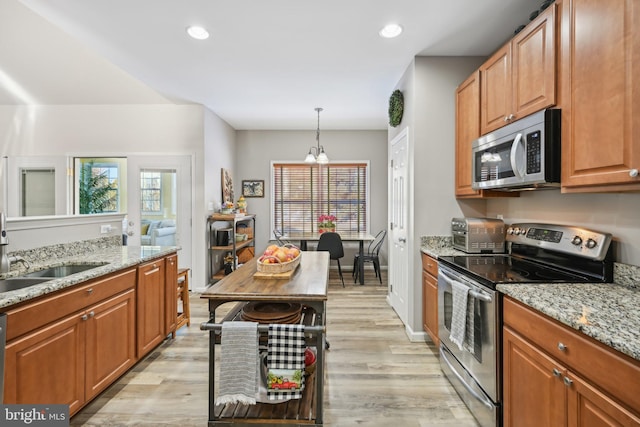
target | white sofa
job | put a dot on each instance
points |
(158, 233)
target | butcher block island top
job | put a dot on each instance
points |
(308, 283)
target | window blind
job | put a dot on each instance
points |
(304, 192)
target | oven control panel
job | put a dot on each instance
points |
(572, 240)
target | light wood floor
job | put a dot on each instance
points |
(375, 376)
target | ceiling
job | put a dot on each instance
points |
(267, 64)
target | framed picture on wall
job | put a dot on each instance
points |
(253, 188)
(227, 186)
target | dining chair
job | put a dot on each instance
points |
(332, 243)
(278, 235)
(372, 256)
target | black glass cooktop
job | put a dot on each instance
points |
(495, 269)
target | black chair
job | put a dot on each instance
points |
(371, 256)
(332, 243)
(278, 235)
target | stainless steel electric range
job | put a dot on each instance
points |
(536, 253)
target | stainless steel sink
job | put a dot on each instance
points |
(16, 283)
(62, 271)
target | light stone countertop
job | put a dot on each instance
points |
(607, 312)
(116, 257)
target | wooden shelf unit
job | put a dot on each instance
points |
(215, 271)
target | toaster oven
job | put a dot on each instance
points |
(478, 235)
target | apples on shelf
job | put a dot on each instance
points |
(275, 254)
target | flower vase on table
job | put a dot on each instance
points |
(326, 223)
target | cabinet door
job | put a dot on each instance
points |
(534, 392)
(111, 345)
(150, 299)
(467, 130)
(47, 366)
(600, 65)
(589, 407)
(171, 297)
(495, 90)
(431, 304)
(533, 65)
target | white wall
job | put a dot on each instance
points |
(616, 213)
(98, 130)
(428, 87)
(256, 149)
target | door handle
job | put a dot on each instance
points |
(402, 239)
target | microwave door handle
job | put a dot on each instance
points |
(514, 156)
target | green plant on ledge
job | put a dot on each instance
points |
(96, 193)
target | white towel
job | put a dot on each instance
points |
(238, 363)
(459, 310)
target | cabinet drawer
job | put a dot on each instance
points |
(613, 372)
(429, 264)
(34, 315)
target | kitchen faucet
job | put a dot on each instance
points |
(5, 260)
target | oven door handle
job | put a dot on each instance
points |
(483, 399)
(473, 293)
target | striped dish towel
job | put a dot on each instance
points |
(459, 313)
(238, 363)
(285, 360)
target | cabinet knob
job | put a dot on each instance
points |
(556, 372)
(90, 291)
(92, 314)
(633, 173)
(562, 347)
(567, 381)
(84, 317)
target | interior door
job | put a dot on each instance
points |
(399, 208)
(167, 197)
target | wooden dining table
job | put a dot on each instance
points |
(346, 236)
(306, 286)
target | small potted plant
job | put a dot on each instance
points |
(326, 223)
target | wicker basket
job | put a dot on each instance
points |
(283, 267)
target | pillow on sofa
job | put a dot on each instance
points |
(144, 229)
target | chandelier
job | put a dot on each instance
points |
(317, 154)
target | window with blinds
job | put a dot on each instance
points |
(302, 192)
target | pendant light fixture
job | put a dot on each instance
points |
(319, 157)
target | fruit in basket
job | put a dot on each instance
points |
(269, 259)
(274, 254)
(309, 357)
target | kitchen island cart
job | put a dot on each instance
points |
(306, 286)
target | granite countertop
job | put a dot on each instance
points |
(115, 257)
(607, 312)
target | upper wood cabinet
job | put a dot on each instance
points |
(600, 95)
(467, 130)
(520, 78)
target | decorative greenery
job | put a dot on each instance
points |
(327, 221)
(97, 195)
(396, 108)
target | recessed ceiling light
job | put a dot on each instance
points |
(390, 31)
(198, 33)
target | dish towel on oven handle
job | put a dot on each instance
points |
(459, 309)
(285, 361)
(239, 360)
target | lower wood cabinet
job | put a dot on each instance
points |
(67, 347)
(171, 296)
(73, 358)
(543, 389)
(430, 297)
(150, 298)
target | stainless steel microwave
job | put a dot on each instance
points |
(523, 155)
